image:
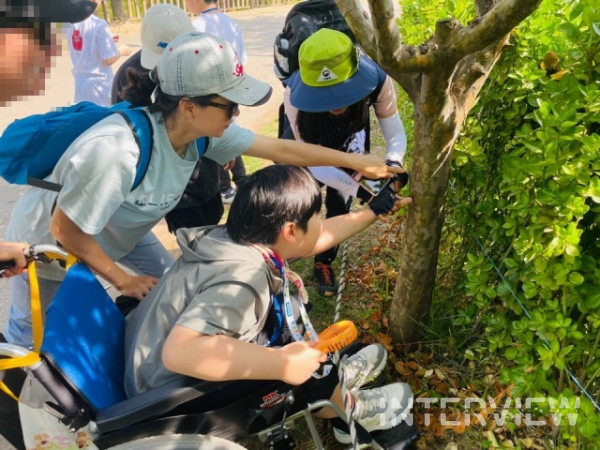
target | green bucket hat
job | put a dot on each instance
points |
(332, 75)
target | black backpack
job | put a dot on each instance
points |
(303, 20)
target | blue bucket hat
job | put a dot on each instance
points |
(332, 75)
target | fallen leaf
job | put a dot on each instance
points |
(413, 365)
(558, 75)
(489, 435)
(527, 442)
(375, 316)
(440, 373)
(442, 388)
(402, 369)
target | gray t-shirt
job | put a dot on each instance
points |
(216, 287)
(97, 172)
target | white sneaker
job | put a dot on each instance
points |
(364, 366)
(379, 409)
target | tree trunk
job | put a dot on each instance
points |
(118, 10)
(434, 138)
(443, 77)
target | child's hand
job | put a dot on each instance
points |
(301, 360)
(125, 50)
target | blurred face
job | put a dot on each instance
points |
(216, 116)
(339, 111)
(25, 60)
(307, 240)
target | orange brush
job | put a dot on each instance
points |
(337, 336)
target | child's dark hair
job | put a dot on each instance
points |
(268, 199)
(141, 85)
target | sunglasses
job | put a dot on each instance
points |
(231, 109)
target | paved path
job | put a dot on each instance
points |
(259, 26)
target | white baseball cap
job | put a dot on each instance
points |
(197, 64)
(161, 24)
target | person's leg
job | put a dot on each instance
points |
(18, 330)
(225, 187)
(224, 180)
(10, 421)
(239, 172)
(148, 257)
(377, 409)
(336, 205)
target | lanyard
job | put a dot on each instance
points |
(209, 10)
(281, 269)
(289, 312)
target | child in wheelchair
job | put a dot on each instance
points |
(226, 311)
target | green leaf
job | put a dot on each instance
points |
(511, 353)
(596, 26)
(588, 428)
(576, 278)
(559, 363)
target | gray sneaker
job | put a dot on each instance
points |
(379, 409)
(364, 366)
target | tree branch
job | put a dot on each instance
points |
(473, 70)
(359, 24)
(382, 33)
(491, 27)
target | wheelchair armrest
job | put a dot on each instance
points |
(153, 403)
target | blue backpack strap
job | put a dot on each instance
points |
(202, 146)
(141, 128)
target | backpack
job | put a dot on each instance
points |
(31, 147)
(304, 19)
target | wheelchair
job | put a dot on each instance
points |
(81, 366)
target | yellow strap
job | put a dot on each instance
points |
(71, 259)
(36, 307)
(14, 363)
(21, 361)
(8, 392)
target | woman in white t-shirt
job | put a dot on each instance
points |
(197, 87)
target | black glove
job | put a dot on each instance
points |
(383, 202)
(401, 178)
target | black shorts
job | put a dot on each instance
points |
(321, 388)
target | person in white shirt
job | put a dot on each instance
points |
(213, 21)
(93, 50)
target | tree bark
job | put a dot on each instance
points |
(118, 10)
(443, 77)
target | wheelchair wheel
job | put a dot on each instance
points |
(179, 442)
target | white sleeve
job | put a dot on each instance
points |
(395, 137)
(105, 44)
(291, 112)
(336, 178)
